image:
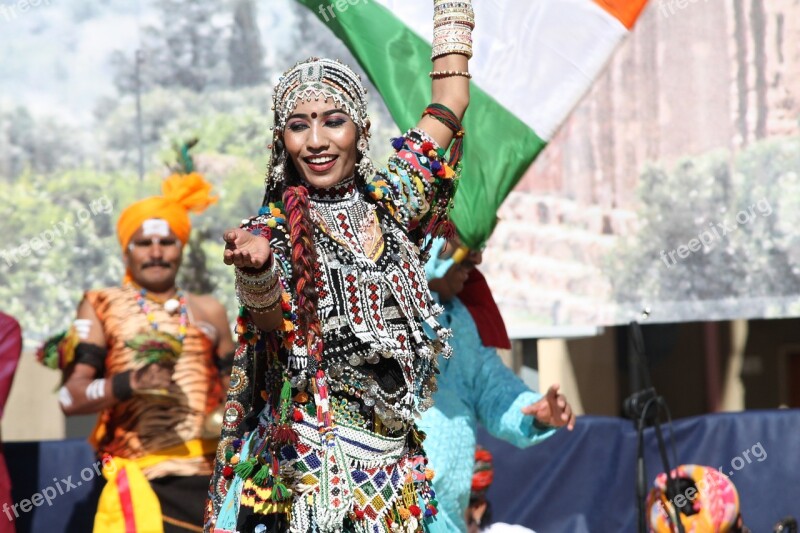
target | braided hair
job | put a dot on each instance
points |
(314, 78)
(304, 257)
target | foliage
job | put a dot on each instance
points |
(42, 145)
(225, 121)
(744, 206)
(185, 48)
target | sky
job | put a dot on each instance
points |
(54, 53)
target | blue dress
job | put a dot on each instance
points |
(474, 386)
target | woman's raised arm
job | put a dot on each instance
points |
(453, 22)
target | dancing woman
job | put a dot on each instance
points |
(338, 335)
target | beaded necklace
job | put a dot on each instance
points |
(141, 299)
(343, 190)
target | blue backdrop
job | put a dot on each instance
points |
(584, 481)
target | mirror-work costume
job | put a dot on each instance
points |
(318, 431)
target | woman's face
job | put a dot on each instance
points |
(320, 138)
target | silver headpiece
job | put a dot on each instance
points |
(320, 79)
(316, 79)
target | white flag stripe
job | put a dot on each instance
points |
(522, 46)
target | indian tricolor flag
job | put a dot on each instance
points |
(533, 62)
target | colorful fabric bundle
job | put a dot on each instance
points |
(707, 501)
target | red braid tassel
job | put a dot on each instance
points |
(445, 229)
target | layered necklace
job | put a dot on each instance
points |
(154, 345)
(342, 214)
(170, 306)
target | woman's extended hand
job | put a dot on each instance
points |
(245, 250)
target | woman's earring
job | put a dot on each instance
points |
(278, 172)
(366, 169)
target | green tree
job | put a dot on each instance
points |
(41, 146)
(745, 206)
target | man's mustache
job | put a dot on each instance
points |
(162, 264)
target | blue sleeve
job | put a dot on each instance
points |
(500, 396)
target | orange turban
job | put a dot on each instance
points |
(181, 193)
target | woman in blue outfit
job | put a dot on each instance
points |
(475, 386)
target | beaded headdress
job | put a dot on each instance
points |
(313, 79)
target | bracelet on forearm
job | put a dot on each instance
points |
(260, 302)
(447, 11)
(121, 386)
(257, 279)
(260, 291)
(267, 308)
(439, 74)
(445, 115)
(453, 22)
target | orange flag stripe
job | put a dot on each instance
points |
(626, 11)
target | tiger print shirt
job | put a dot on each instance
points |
(144, 425)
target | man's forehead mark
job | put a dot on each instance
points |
(155, 226)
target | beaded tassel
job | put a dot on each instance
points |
(283, 433)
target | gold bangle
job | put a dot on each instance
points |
(267, 309)
(460, 254)
(439, 74)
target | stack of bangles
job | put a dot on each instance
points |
(453, 22)
(259, 290)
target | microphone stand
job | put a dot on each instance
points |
(643, 407)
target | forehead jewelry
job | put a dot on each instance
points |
(320, 79)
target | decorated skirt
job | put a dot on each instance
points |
(363, 483)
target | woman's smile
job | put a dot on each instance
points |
(321, 163)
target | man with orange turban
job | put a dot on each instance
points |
(150, 358)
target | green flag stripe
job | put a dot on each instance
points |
(498, 147)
